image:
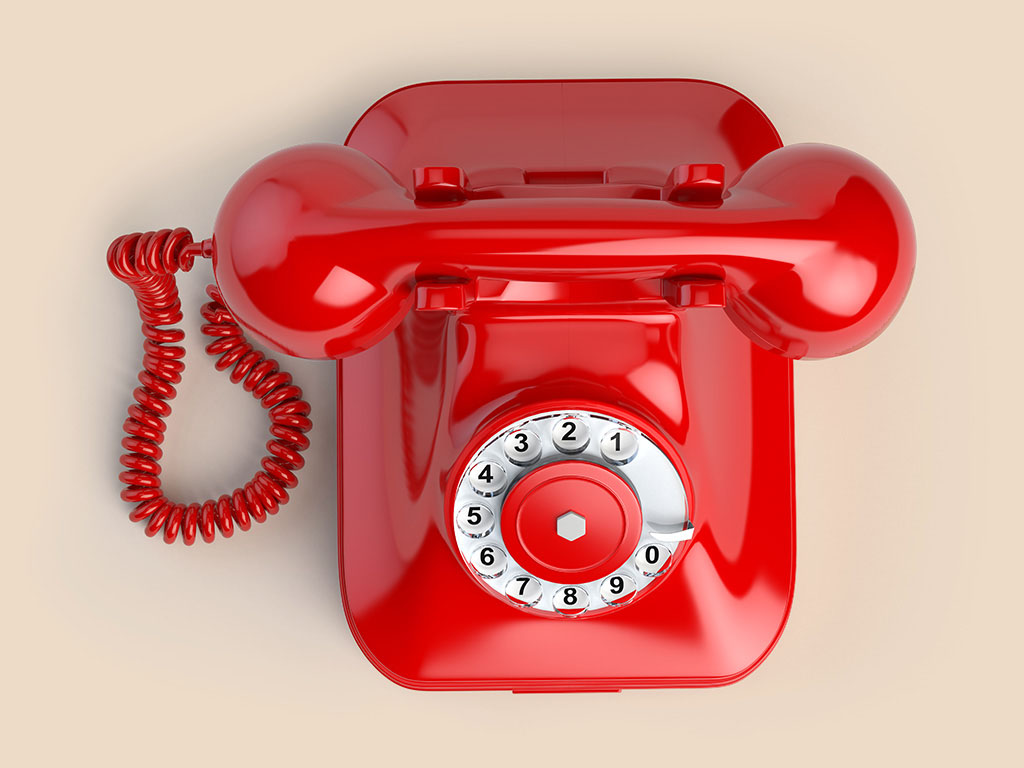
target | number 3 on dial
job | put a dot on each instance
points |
(522, 446)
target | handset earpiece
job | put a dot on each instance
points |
(289, 259)
(833, 255)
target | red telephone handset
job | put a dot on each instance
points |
(318, 248)
(535, 300)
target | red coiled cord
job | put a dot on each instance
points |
(147, 263)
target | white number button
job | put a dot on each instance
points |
(524, 590)
(522, 446)
(487, 478)
(571, 601)
(570, 435)
(475, 520)
(618, 589)
(489, 562)
(619, 446)
(652, 559)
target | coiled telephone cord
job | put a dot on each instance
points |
(147, 263)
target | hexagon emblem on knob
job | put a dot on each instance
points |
(571, 525)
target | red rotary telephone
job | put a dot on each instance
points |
(565, 447)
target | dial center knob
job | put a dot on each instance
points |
(571, 521)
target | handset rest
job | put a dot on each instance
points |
(318, 248)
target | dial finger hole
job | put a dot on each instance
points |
(652, 559)
(488, 478)
(618, 589)
(619, 446)
(570, 435)
(489, 561)
(524, 591)
(475, 520)
(522, 446)
(571, 601)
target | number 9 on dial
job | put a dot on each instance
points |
(618, 589)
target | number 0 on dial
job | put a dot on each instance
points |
(652, 559)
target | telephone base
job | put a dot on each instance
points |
(466, 362)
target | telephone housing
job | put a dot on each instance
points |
(496, 265)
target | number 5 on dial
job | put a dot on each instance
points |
(475, 520)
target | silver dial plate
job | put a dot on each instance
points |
(521, 447)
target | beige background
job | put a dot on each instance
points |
(905, 637)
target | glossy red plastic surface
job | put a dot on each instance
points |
(147, 263)
(318, 248)
(414, 408)
(530, 531)
(498, 249)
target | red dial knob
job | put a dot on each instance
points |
(571, 522)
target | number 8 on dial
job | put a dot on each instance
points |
(571, 601)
